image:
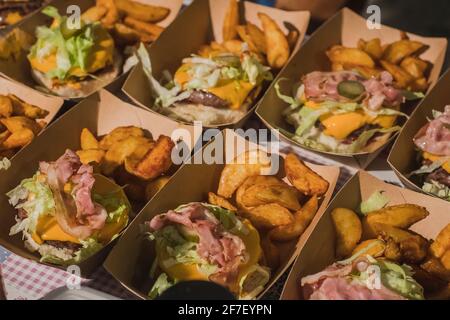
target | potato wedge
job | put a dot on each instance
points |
(129, 36)
(3, 136)
(88, 140)
(247, 164)
(303, 178)
(112, 13)
(442, 242)
(348, 231)
(142, 12)
(401, 216)
(282, 194)
(416, 67)
(18, 139)
(94, 14)
(233, 46)
(154, 186)
(6, 106)
(376, 250)
(243, 34)
(292, 38)
(276, 42)
(257, 36)
(155, 162)
(349, 56)
(271, 252)
(220, 201)
(302, 219)
(145, 27)
(22, 108)
(435, 267)
(18, 123)
(401, 77)
(398, 50)
(270, 215)
(118, 134)
(231, 21)
(93, 155)
(372, 47)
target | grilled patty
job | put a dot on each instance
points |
(206, 99)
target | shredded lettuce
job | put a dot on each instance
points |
(438, 189)
(40, 202)
(412, 95)
(255, 72)
(293, 102)
(227, 218)
(5, 164)
(161, 284)
(376, 201)
(114, 205)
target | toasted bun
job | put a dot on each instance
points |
(87, 86)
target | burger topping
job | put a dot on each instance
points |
(435, 136)
(207, 99)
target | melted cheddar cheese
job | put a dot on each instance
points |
(433, 158)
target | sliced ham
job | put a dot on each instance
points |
(434, 137)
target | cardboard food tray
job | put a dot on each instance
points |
(132, 257)
(403, 157)
(197, 25)
(344, 28)
(20, 70)
(319, 250)
(101, 113)
(50, 103)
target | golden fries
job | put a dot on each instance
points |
(350, 56)
(257, 37)
(220, 201)
(93, 14)
(112, 13)
(151, 29)
(348, 230)
(142, 12)
(88, 140)
(401, 216)
(277, 45)
(231, 21)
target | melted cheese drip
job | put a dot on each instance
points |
(433, 158)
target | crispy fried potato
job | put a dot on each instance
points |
(377, 249)
(220, 201)
(372, 47)
(3, 136)
(118, 134)
(292, 38)
(442, 242)
(257, 36)
(93, 155)
(349, 56)
(233, 46)
(112, 13)
(243, 34)
(130, 147)
(94, 14)
(398, 50)
(276, 43)
(145, 27)
(416, 67)
(335, 66)
(445, 260)
(435, 267)
(401, 216)
(402, 78)
(154, 186)
(270, 215)
(282, 194)
(420, 84)
(348, 230)
(302, 219)
(19, 138)
(6, 106)
(142, 12)
(18, 123)
(155, 162)
(303, 178)
(271, 252)
(88, 140)
(392, 250)
(129, 36)
(231, 21)
(22, 108)
(247, 164)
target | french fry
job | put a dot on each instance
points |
(118, 134)
(402, 77)
(442, 243)
(94, 14)
(14, 124)
(257, 36)
(88, 140)
(349, 56)
(398, 50)
(142, 12)
(22, 108)
(243, 34)
(128, 36)
(377, 249)
(92, 155)
(220, 201)
(282, 194)
(18, 139)
(416, 67)
(112, 14)
(145, 27)
(401, 216)
(348, 230)
(276, 42)
(6, 106)
(231, 21)
(292, 38)
(372, 47)
(271, 252)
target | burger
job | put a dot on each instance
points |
(72, 61)
(67, 213)
(199, 241)
(433, 143)
(215, 88)
(12, 12)
(342, 112)
(362, 278)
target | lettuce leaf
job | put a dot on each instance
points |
(412, 95)
(255, 72)
(364, 137)
(376, 201)
(115, 206)
(227, 218)
(438, 189)
(5, 163)
(399, 278)
(161, 284)
(89, 247)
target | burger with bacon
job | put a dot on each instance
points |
(199, 241)
(67, 213)
(433, 142)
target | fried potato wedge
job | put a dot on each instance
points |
(372, 47)
(302, 219)
(376, 249)
(276, 42)
(257, 36)
(88, 140)
(401, 216)
(18, 139)
(303, 178)
(22, 108)
(154, 186)
(416, 67)
(401, 77)
(244, 35)
(231, 21)
(6, 106)
(112, 13)
(292, 38)
(282, 194)
(398, 50)
(348, 230)
(94, 14)
(270, 215)
(18, 123)
(271, 252)
(129, 36)
(233, 46)
(435, 267)
(146, 27)
(3, 136)
(220, 201)
(118, 134)
(89, 156)
(248, 164)
(350, 56)
(442, 242)
(141, 11)
(155, 162)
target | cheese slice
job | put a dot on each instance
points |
(341, 125)
(433, 158)
(49, 229)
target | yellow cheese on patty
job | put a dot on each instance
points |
(433, 158)
(49, 229)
